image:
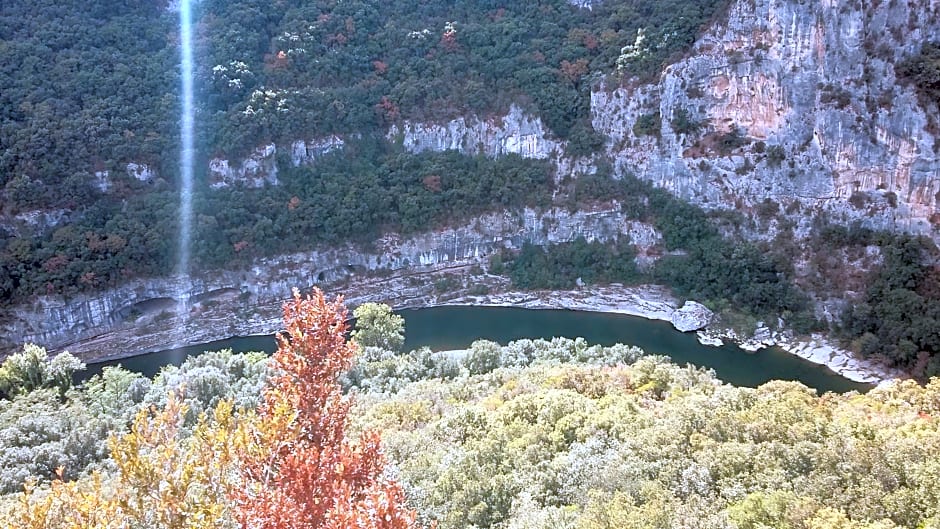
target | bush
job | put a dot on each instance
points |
(775, 155)
(683, 123)
(923, 70)
(648, 125)
(32, 369)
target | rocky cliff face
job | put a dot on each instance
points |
(256, 170)
(514, 133)
(55, 322)
(793, 102)
(810, 88)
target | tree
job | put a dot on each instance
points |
(303, 471)
(162, 480)
(290, 465)
(24, 371)
(378, 326)
(32, 369)
(924, 70)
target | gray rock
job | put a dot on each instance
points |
(804, 79)
(584, 4)
(692, 316)
(305, 152)
(256, 170)
(102, 181)
(763, 335)
(140, 171)
(54, 321)
(514, 133)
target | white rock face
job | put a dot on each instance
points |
(692, 316)
(819, 351)
(140, 171)
(102, 181)
(305, 152)
(514, 133)
(255, 171)
(815, 80)
(584, 4)
(37, 221)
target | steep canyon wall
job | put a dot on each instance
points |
(797, 102)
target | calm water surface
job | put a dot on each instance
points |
(444, 328)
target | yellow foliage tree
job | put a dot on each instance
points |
(163, 480)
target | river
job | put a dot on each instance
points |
(443, 328)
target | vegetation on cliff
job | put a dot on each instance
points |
(341, 199)
(89, 88)
(704, 262)
(533, 434)
(898, 312)
(923, 70)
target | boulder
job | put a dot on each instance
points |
(692, 316)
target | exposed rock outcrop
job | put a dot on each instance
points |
(811, 90)
(307, 151)
(514, 133)
(140, 171)
(584, 4)
(794, 102)
(256, 170)
(102, 181)
(691, 316)
(54, 322)
(33, 222)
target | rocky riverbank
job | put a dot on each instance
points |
(656, 303)
(227, 315)
(816, 349)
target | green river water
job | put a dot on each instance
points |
(443, 328)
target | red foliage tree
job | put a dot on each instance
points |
(387, 109)
(449, 39)
(432, 183)
(590, 42)
(573, 71)
(305, 472)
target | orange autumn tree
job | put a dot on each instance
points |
(290, 465)
(302, 471)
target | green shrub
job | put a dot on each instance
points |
(648, 125)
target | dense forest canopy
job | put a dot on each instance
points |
(534, 434)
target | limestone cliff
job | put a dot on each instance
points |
(256, 170)
(811, 89)
(514, 133)
(55, 322)
(793, 102)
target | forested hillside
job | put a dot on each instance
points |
(533, 434)
(89, 88)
